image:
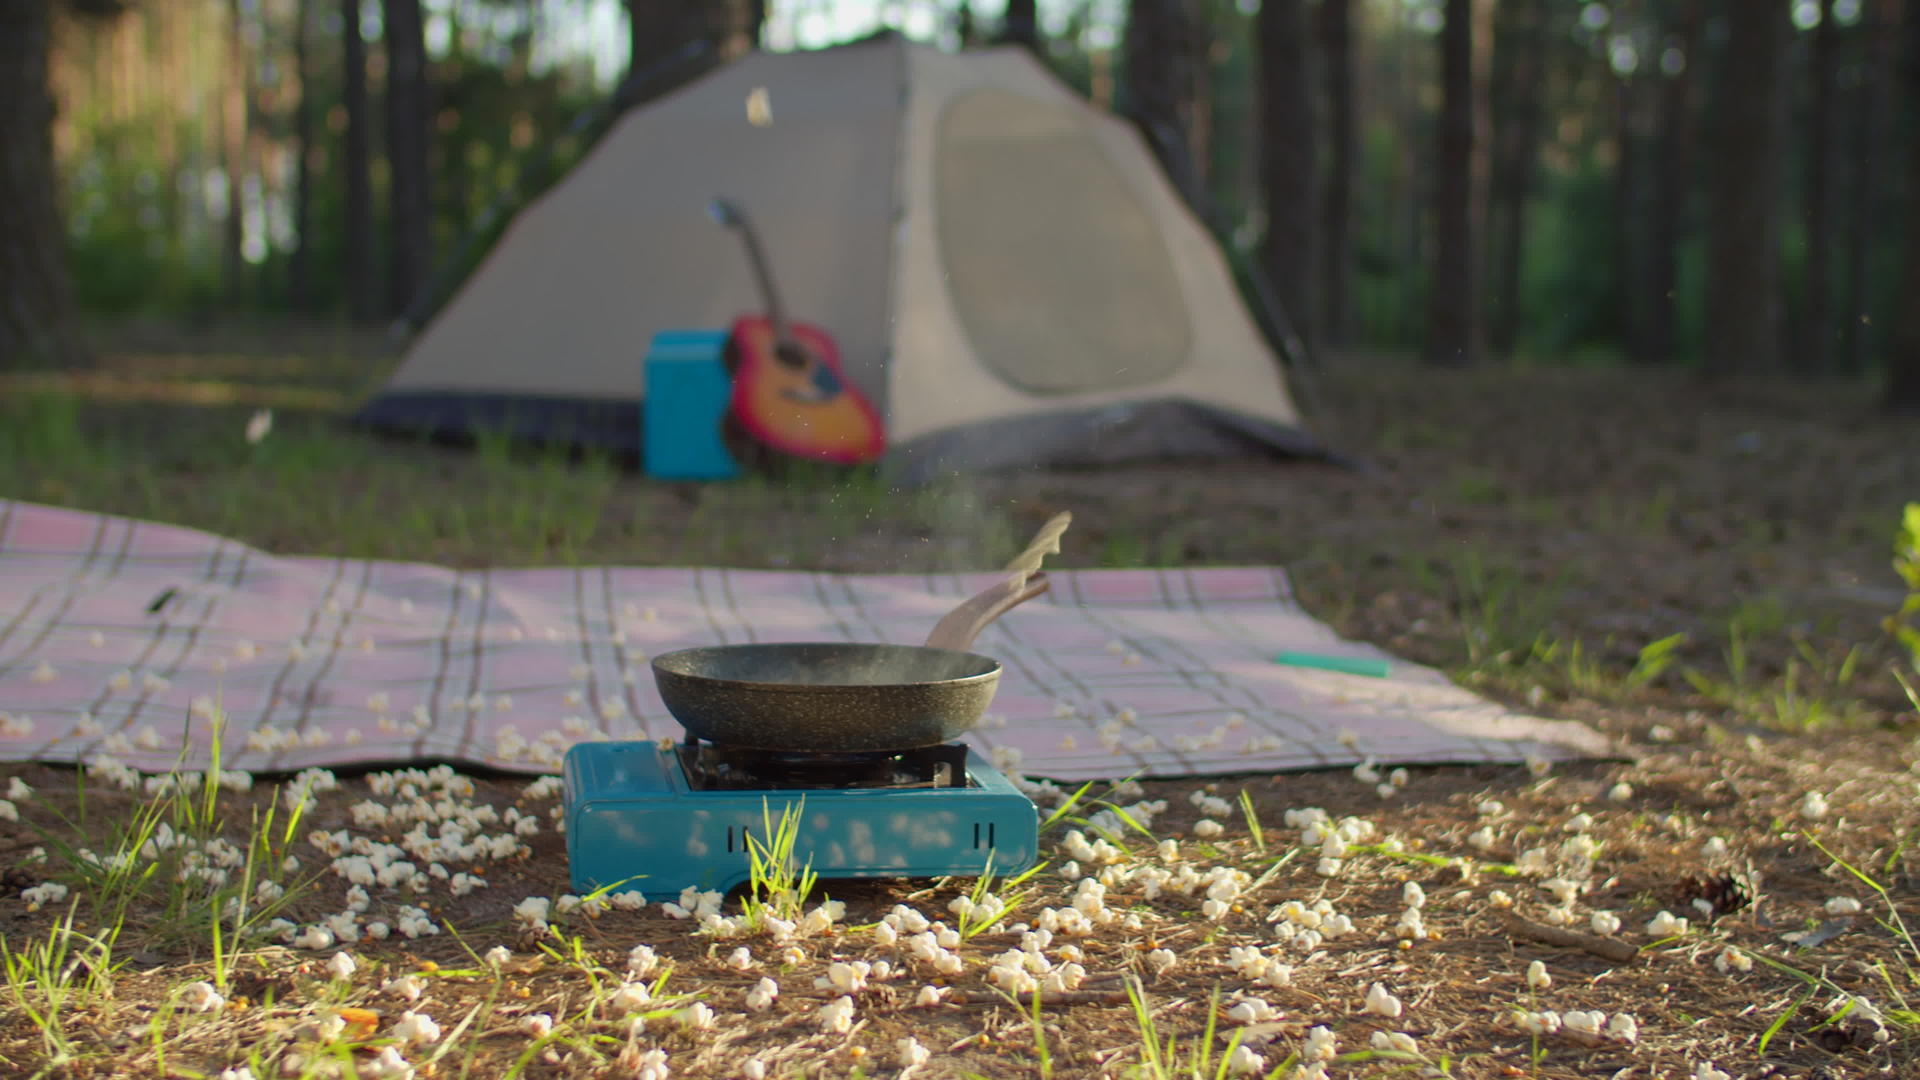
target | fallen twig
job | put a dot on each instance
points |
(1047, 998)
(1618, 951)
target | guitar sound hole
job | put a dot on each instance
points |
(791, 356)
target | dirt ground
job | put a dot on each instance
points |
(1462, 985)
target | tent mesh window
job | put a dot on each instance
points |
(1057, 271)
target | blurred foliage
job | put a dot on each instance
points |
(140, 147)
(1906, 563)
(512, 81)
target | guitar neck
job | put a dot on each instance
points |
(763, 275)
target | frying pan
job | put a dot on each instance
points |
(849, 696)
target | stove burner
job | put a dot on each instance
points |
(712, 767)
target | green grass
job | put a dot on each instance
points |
(1476, 486)
(50, 977)
(176, 863)
(314, 485)
(1905, 623)
(1813, 693)
(1506, 622)
(1498, 610)
(777, 883)
(163, 876)
(1253, 822)
(1164, 1057)
(989, 904)
(1123, 549)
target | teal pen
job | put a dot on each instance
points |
(1351, 665)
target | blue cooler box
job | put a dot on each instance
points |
(687, 388)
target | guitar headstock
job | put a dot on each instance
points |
(726, 213)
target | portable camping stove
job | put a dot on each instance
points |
(659, 817)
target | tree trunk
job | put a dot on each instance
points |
(233, 149)
(1504, 98)
(455, 184)
(1879, 38)
(671, 41)
(1336, 207)
(1816, 352)
(656, 29)
(1163, 70)
(362, 278)
(1903, 352)
(1743, 258)
(300, 264)
(1672, 186)
(1021, 25)
(409, 148)
(737, 24)
(1452, 299)
(1480, 159)
(1627, 215)
(172, 141)
(1516, 144)
(38, 323)
(1412, 194)
(1289, 161)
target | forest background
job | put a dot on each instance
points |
(1720, 184)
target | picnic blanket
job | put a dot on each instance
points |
(137, 640)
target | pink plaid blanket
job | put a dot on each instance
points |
(136, 640)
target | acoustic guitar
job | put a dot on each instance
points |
(790, 393)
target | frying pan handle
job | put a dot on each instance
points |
(965, 622)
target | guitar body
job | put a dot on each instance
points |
(795, 398)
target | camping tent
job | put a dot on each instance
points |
(1008, 274)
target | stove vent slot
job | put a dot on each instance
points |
(980, 833)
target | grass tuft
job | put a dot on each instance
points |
(777, 884)
(50, 977)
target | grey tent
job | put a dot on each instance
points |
(1009, 276)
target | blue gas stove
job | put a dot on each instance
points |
(661, 816)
